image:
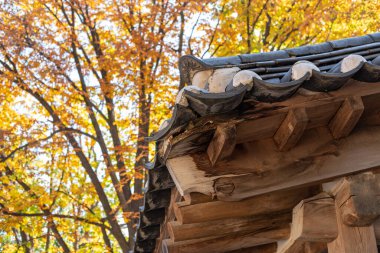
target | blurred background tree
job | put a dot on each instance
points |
(82, 82)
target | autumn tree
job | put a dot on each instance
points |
(246, 26)
(83, 82)
(79, 79)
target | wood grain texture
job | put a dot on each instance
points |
(359, 199)
(347, 117)
(231, 242)
(259, 205)
(169, 216)
(314, 220)
(222, 144)
(353, 239)
(291, 129)
(257, 223)
(196, 198)
(317, 158)
(262, 120)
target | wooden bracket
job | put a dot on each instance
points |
(358, 199)
(222, 144)
(357, 206)
(313, 224)
(291, 129)
(347, 117)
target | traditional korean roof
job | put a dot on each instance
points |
(204, 108)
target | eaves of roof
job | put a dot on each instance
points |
(270, 66)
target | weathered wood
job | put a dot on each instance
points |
(196, 198)
(376, 227)
(353, 239)
(262, 120)
(347, 117)
(258, 205)
(359, 199)
(223, 143)
(326, 160)
(314, 220)
(170, 216)
(257, 223)
(227, 243)
(291, 129)
(266, 248)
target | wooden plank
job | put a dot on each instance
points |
(306, 215)
(257, 223)
(291, 129)
(353, 239)
(359, 200)
(347, 117)
(264, 204)
(222, 144)
(231, 242)
(329, 160)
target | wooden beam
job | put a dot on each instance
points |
(222, 144)
(259, 205)
(350, 239)
(291, 129)
(317, 159)
(359, 199)
(196, 198)
(314, 220)
(262, 120)
(170, 216)
(347, 117)
(252, 224)
(234, 241)
(266, 248)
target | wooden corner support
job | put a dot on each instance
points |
(358, 199)
(313, 225)
(346, 117)
(222, 144)
(357, 206)
(291, 129)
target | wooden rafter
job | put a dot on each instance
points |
(222, 144)
(347, 117)
(291, 129)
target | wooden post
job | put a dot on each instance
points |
(355, 208)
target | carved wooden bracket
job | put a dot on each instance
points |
(358, 199)
(222, 144)
(347, 117)
(291, 129)
(313, 224)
